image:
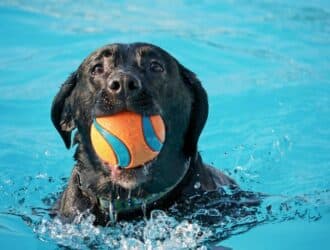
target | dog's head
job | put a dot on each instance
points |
(141, 78)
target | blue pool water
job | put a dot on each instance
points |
(266, 68)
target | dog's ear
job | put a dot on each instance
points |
(61, 111)
(199, 110)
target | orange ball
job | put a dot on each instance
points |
(127, 139)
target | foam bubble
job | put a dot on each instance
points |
(161, 231)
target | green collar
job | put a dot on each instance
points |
(114, 206)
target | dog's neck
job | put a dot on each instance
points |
(110, 204)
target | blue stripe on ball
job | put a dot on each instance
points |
(119, 148)
(150, 135)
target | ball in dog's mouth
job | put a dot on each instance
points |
(127, 140)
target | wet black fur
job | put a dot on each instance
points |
(78, 100)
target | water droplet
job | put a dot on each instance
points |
(112, 213)
(144, 209)
(197, 185)
(145, 170)
(214, 212)
(42, 176)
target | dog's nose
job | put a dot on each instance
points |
(124, 83)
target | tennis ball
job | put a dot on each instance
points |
(127, 139)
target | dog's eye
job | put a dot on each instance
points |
(107, 53)
(156, 67)
(97, 69)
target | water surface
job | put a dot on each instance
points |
(265, 66)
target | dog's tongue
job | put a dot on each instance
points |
(114, 170)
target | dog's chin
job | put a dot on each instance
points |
(129, 178)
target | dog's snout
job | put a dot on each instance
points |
(124, 83)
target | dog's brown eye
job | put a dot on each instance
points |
(107, 53)
(156, 67)
(97, 69)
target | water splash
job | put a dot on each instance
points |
(194, 223)
(197, 221)
(159, 232)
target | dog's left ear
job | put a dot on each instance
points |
(61, 112)
(199, 110)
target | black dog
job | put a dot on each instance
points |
(145, 79)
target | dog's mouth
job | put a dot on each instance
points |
(128, 145)
(117, 171)
(132, 178)
(127, 149)
(142, 103)
(129, 179)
